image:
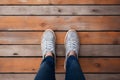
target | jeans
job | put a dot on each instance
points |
(47, 69)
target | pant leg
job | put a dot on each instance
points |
(73, 69)
(47, 69)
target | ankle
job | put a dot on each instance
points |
(72, 53)
(49, 54)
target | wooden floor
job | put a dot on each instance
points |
(22, 23)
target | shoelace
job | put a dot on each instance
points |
(72, 44)
(49, 45)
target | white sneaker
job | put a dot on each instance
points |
(71, 43)
(48, 43)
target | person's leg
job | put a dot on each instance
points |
(73, 69)
(47, 69)
(72, 66)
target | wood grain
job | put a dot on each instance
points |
(35, 50)
(60, 10)
(59, 2)
(60, 76)
(96, 65)
(27, 19)
(35, 37)
(86, 23)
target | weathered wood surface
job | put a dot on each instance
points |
(96, 65)
(59, 76)
(35, 50)
(80, 23)
(59, 1)
(60, 10)
(35, 37)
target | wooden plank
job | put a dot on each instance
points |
(60, 10)
(96, 65)
(60, 76)
(80, 23)
(35, 37)
(35, 50)
(59, 2)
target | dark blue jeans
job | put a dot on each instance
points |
(47, 69)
